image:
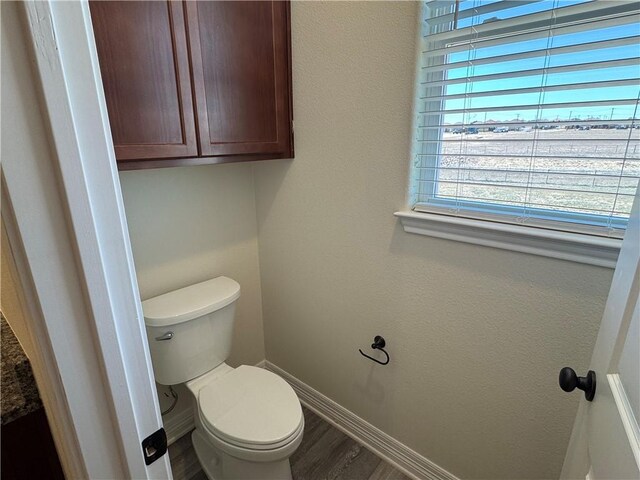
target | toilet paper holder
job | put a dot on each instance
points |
(378, 344)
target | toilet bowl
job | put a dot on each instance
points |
(248, 423)
(248, 420)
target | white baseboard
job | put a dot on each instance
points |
(397, 454)
(178, 425)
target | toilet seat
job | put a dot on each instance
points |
(251, 408)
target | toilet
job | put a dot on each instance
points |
(248, 420)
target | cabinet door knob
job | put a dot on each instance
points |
(569, 381)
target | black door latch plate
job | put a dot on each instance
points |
(154, 446)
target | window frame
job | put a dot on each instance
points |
(561, 235)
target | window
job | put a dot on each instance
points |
(527, 113)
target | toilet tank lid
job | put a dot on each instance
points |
(190, 302)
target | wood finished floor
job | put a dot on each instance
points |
(325, 453)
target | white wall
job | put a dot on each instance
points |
(476, 335)
(194, 223)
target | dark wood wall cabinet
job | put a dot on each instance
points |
(196, 82)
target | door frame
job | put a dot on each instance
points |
(66, 215)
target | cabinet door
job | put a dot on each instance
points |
(241, 75)
(142, 48)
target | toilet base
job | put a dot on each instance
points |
(219, 465)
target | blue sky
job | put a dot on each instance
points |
(580, 75)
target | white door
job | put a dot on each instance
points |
(66, 220)
(605, 443)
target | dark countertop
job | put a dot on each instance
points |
(19, 395)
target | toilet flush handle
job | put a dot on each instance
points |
(166, 336)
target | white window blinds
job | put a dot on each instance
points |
(527, 112)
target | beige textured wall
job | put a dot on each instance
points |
(476, 335)
(194, 223)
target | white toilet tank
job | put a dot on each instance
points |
(190, 329)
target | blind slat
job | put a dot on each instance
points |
(510, 171)
(572, 16)
(534, 204)
(606, 64)
(482, 140)
(538, 89)
(529, 187)
(522, 220)
(539, 106)
(435, 49)
(481, 10)
(542, 52)
(544, 158)
(624, 123)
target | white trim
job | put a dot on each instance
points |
(626, 414)
(41, 356)
(67, 64)
(44, 237)
(391, 450)
(179, 425)
(574, 247)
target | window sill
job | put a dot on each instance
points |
(574, 247)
